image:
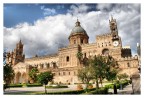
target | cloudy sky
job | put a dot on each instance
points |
(43, 28)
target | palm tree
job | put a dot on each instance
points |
(79, 56)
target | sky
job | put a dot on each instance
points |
(43, 28)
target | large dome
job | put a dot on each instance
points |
(78, 29)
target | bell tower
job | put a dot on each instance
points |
(114, 32)
(113, 27)
(17, 55)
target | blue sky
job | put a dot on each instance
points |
(43, 28)
(18, 13)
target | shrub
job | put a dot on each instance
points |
(34, 85)
(67, 92)
(25, 85)
(124, 83)
(102, 90)
(90, 86)
(79, 87)
(109, 86)
(15, 85)
(57, 86)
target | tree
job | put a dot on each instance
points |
(104, 68)
(85, 75)
(45, 77)
(33, 74)
(111, 75)
(122, 76)
(112, 68)
(8, 74)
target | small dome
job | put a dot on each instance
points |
(78, 29)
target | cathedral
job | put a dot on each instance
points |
(65, 63)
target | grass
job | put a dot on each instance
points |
(25, 93)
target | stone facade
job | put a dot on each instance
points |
(65, 63)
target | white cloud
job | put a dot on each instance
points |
(78, 9)
(46, 35)
(48, 11)
(104, 6)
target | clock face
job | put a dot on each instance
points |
(115, 43)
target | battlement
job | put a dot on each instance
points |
(126, 47)
(126, 52)
(128, 58)
(103, 35)
(68, 47)
(41, 57)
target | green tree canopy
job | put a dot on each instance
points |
(86, 75)
(33, 74)
(122, 76)
(45, 77)
(8, 73)
(105, 67)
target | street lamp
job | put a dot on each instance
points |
(130, 77)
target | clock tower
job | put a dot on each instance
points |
(116, 39)
(114, 32)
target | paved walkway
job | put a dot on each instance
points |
(20, 90)
(127, 90)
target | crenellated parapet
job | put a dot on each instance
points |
(126, 52)
(41, 57)
(103, 35)
(128, 58)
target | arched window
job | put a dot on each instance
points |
(54, 65)
(41, 66)
(67, 58)
(74, 73)
(69, 73)
(63, 73)
(109, 43)
(128, 65)
(105, 52)
(47, 65)
(84, 54)
(74, 41)
(81, 41)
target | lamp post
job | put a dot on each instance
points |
(130, 77)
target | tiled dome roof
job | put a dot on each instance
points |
(78, 29)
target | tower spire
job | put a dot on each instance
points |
(111, 17)
(20, 40)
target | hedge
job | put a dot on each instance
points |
(124, 83)
(67, 92)
(15, 85)
(34, 85)
(25, 85)
(102, 90)
(91, 91)
(58, 86)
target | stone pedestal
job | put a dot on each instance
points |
(136, 84)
